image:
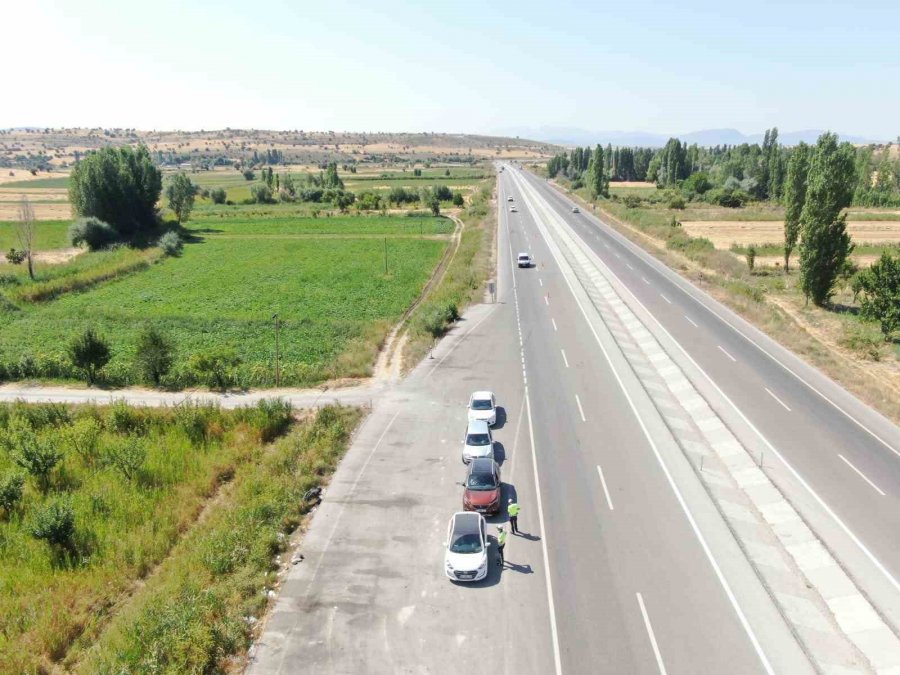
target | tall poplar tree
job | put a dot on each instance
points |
(794, 198)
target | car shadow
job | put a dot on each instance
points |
(499, 453)
(501, 418)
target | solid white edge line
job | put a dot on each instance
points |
(659, 661)
(691, 321)
(862, 475)
(815, 495)
(565, 360)
(726, 353)
(605, 489)
(580, 409)
(706, 550)
(783, 404)
(688, 289)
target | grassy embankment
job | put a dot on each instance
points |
(177, 516)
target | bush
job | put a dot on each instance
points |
(93, 233)
(82, 437)
(38, 456)
(249, 175)
(880, 289)
(676, 202)
(216, 367)
(11, 485)
(14, 257)
(458, 198)
(865, 340)
(89, 353)
(171, 244)
(751, 258)
(55, 523)
(732, 199)
(632, 201)
(155, 353)
(698, 182)
(218, 196)
(126, 455)
(262, 194)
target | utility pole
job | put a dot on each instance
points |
(277, 364)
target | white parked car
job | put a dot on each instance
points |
(478, 441)
(483, 406)
(466, 548)
(524, 260)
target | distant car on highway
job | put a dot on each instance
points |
(478, 441)
(513, 209)
(509, 199)
(466, 548)
(575, 209)
(524, 260)
(483, 406)
(482, 487)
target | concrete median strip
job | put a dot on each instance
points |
(838, 627)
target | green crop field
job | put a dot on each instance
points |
(238, 222)
(60, 182)
(50, 234)
(333, 297)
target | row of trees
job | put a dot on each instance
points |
(731, 174)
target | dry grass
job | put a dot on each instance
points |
(724, 233)
(16, 175)
(56, 211)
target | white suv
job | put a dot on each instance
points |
(478, 441)
(524, 260)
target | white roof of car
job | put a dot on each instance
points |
(483, 394)
(524, 255)
(478, 427)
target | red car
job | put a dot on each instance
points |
(482, 486)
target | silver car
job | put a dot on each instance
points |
(478, 441)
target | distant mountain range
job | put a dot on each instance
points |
(706, 137)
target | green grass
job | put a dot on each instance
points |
(59, 182)
(50, 234)
(239, 223)
(333, 297)
(62, 604)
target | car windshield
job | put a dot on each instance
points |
(466, 543)
(478, 439)
(524, 256)
(482, 481)
(481, 404)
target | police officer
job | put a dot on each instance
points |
(501, 543)
(512, 510)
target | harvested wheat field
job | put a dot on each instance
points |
(16, 175)
(34, 194)
(56, 211)
(863, 260)
(724, 233)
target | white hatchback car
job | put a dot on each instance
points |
(478, 441)
(483, 406)
(524, 260)
(466, 548)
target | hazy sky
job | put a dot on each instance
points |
(453, 66)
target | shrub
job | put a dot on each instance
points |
(126, 455)
(218, 196)
(751, 258)
(865, 340)
(676, 202)
(632, 201)
(93, 233)
(216, 367)
(269, 417)
(249, 175)
(732, 199)
(89, 353)
(55, 523)
(11, 485)
(880, 289)
(38, 456)
(262, 194)
(698, 182)
(155, 353)
(171, 244)
(14, 257)
(82, 437)
(458, 198)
